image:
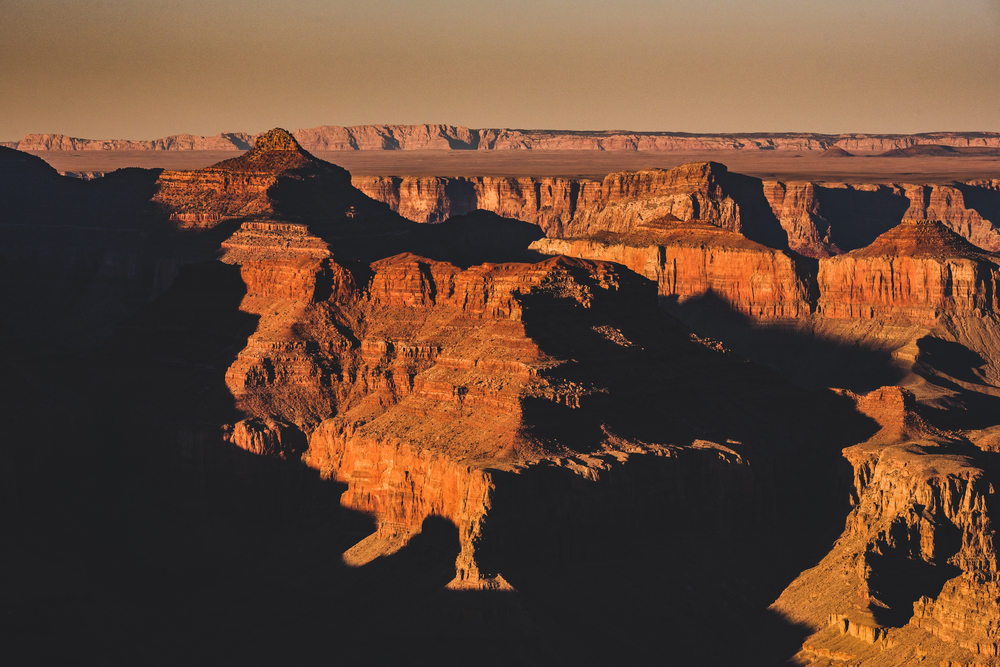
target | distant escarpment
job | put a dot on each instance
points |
(227, 141)
(450, 137)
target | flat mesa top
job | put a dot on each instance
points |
(768, 165)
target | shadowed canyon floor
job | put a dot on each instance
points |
(682, 416)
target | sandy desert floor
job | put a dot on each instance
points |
(781, 165)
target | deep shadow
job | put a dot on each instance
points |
(756, 215)
(984, 201)
(949, 357)
(858, 217)
(471, 239)
(899, 581)
(804, 358)
(144, 538)
(752, 529)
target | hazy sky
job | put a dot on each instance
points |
(143, 69)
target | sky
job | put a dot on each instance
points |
(144, 69)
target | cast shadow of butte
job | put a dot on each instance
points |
(805, 359)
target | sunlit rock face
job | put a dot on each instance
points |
(695, 259)
(916, 271)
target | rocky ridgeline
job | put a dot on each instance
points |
(914, 273)
(812, 219)
(695, 259)
(450, 137)
(226, 141)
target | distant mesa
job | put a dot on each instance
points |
(941, 150)
(836, 151)
(922, 150)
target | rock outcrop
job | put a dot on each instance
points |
(816, 220)
(696, 259)
(434, 391)
(914, 574)
(277, 177)
(915, 272)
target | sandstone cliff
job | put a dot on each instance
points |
(818, 220)
(550, 203)
(828, 219)
(915, 271)
(696, 259)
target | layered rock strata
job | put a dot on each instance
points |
(916, 271)
(276, 177)
(699, 260)
(816, 220)
(550, 203)
(444, 137)
(434, 391)
(226, 141)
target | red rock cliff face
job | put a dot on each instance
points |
(551, 203)
(572, 208)
(916, 271)
(951, 205)
(829, 219)
(686, 193)
(697, 260)
(816, 220)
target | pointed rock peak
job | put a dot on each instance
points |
(921, 238)
(276, 151)
(277, 140)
